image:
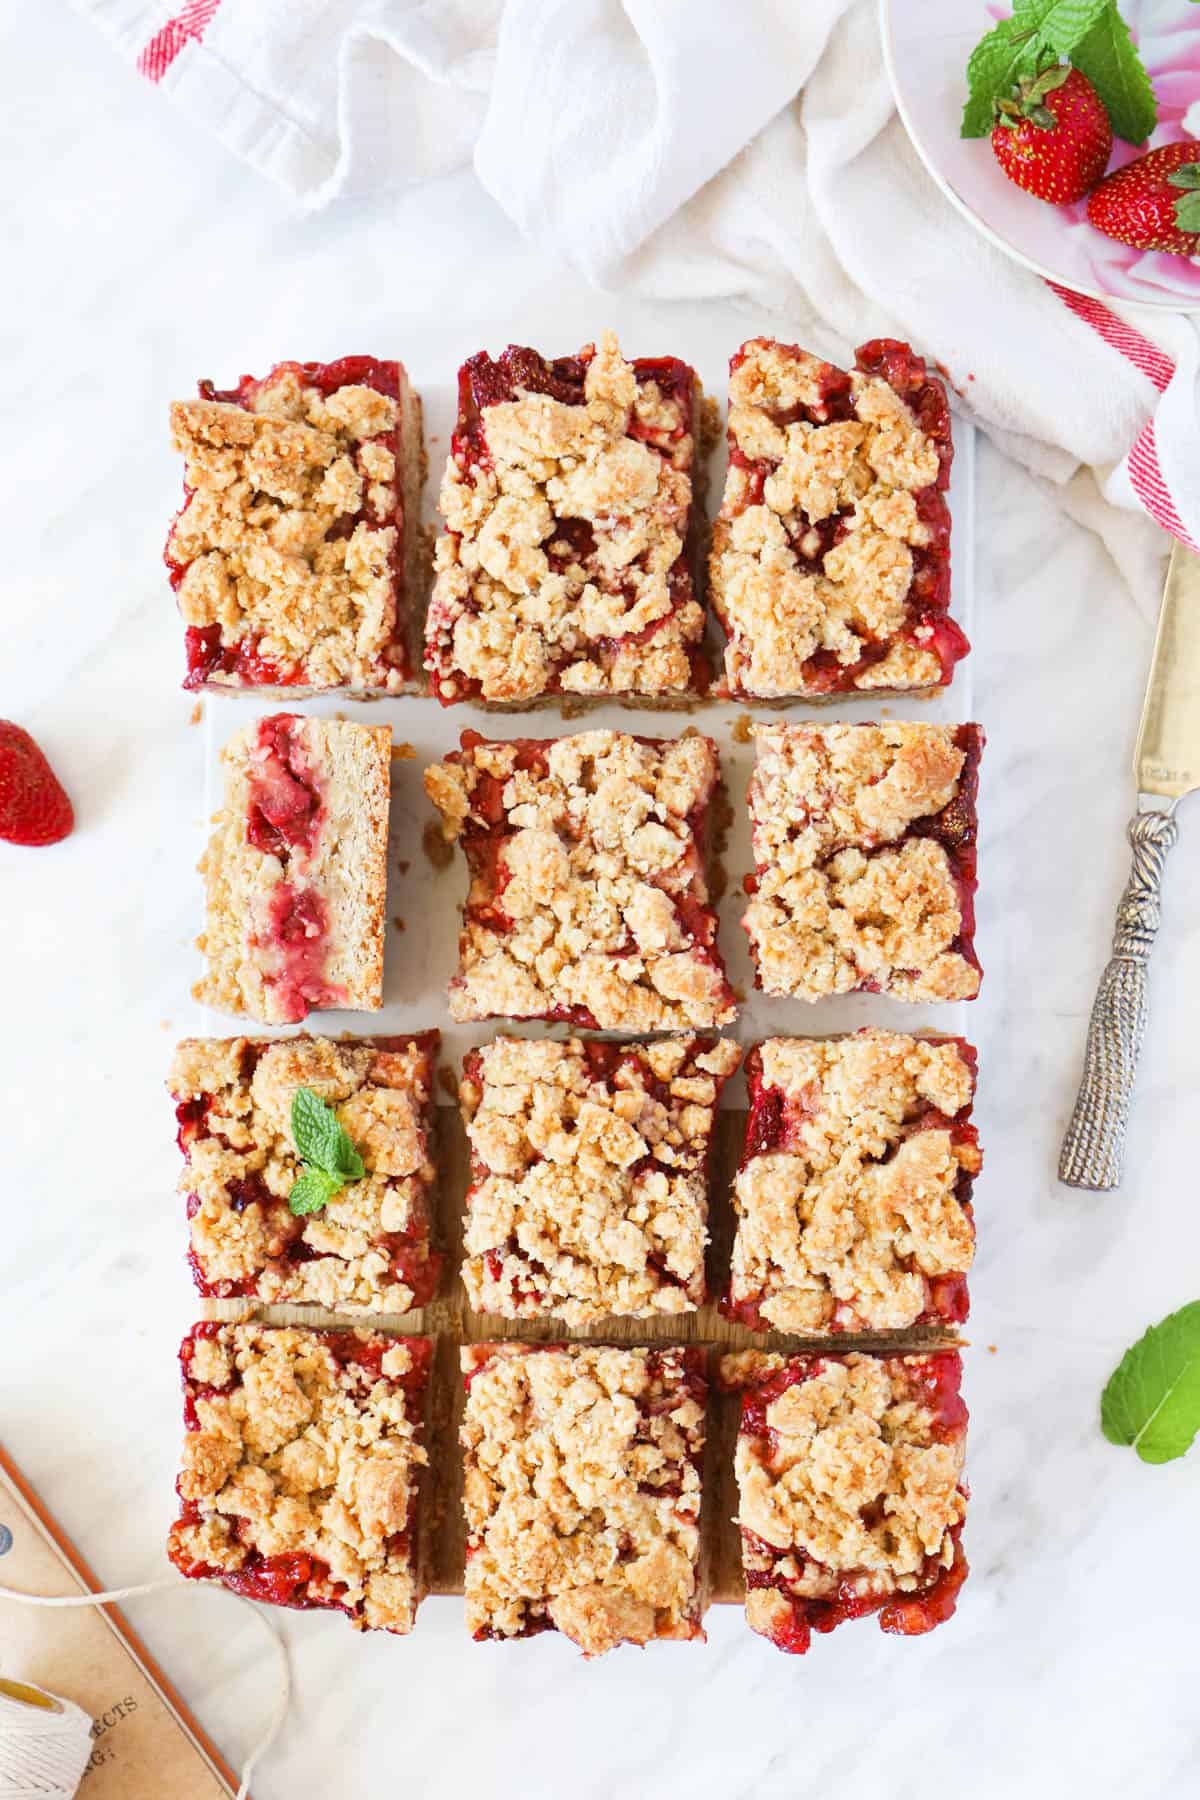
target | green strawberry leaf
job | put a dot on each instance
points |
(1108, 57)
(312, 1190)
(1186, 176)
(1060, 24)
(1187, 212)
(996, 64)
(1152, 1398)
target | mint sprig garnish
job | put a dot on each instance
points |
(1089, 34)
(1152, 1399)
(326, 1150)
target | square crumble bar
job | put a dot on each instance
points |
(582, 1492)
(854, 1191)
(589, 1175)
(299, 1476)
(369, 1247)
(830, 562)
(588, 900)
(865, 861)
(573, 506)
(296, 870)
(298, 556)
(850, 1492)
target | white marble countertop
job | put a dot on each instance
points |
(139, 254)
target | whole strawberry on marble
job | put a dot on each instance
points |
(1153, 203)
(1052, 134)
(34, 808)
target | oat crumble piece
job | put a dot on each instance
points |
(850, 1494)
(296, 870)
(369, 1248)
(830, 561)
(865, 862)
(589, 1175)
(299, 1477)
(853, 1195)
(582, 1492)
(588, 900)
(298, 557)
(573, 506)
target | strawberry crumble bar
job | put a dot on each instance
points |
(582, 1492)
(850, 1493)
(588, 900)
(299, 1479)
(589, 1175)
(296, 870)
(864, 853)
(369, 1246)
(853, 1195)
(297, 556)
(830, 564)
(572, 501)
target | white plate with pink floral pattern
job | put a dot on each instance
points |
(926, 44)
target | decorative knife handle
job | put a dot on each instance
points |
(1094, 1146)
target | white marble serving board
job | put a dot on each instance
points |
(419, 960)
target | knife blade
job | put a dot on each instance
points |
(1166, 767)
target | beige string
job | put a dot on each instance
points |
(284, 1695)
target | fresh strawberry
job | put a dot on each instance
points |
(34, 808)
(1052, 137)
(1153, 203)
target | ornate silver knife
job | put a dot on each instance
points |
(1167, 766)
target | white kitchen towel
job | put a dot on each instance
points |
(742, 148)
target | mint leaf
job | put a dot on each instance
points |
(311, 1190)
(1108, 57)
(315, 1130)
(996, 64)
(1060, 24)
(1152, 1399)
(350, 1164)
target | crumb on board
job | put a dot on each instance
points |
(448, 1080)
(398, 923)
(437, 850)
(741, 729)
(404, 752)
(572, 709)
(197, 713)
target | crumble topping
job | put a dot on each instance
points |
(299, 1468)
(589, 1193)
(370, 1243)
(813, 551)
(854, 1204)
(582, 1492)
(295, 870)
(847, 895)
(565, 561)
(289, 545)
(588, 898)
(853, 1475)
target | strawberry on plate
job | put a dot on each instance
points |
(1153, 203)
(34, 808)
(1052, 136)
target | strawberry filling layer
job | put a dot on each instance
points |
(212, 654)
(927, 625)
(485, 381)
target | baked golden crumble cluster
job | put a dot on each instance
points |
(588, 899)
(298, 1483)
(849, 1490)
(369, 1245)
(853, 1197)
(296, 556)
(582, 1492)
(830, 558)
(589, 1190)
(573, 526)
(865, 861)
(296, 870)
